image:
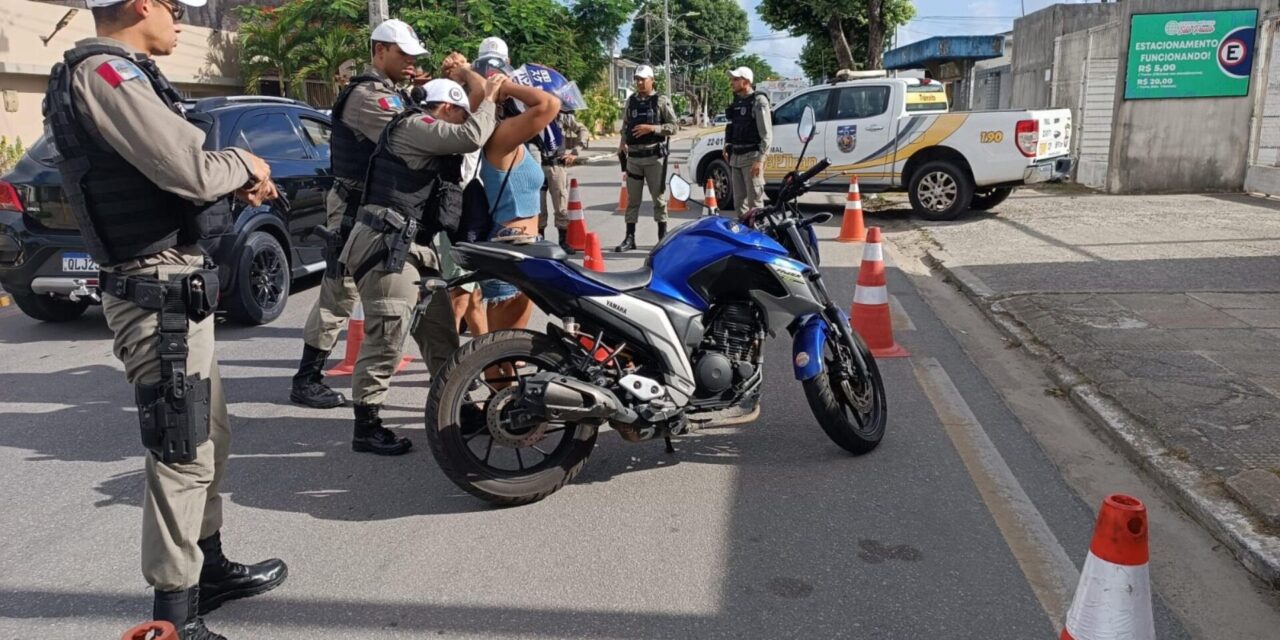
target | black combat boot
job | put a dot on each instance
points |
(371, 437)
(179, 608)
(629, 242)
(309, 388)
(222, 580)
(662, 230)
(564, 242)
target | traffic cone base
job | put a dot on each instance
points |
(1113, 598)
(852, 228)
(594, 257)
(355, 338)
(870, 316)
(673, 205)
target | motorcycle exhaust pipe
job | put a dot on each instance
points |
(559, 397)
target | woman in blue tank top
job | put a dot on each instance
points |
(515, 207)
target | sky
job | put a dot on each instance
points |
(933, 18)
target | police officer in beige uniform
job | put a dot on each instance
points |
(555, 168)
(414, 190)
(746, 140)
(139, 184)
(648, 121)
(360, 112)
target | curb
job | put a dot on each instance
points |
(1201, 496)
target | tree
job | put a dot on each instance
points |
(300, 40)
(841, 23)
(716, 32)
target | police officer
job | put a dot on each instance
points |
(414, 190)
(555, 169)
(648, 122)
(139, 184)
(360, 112)
(746, 141)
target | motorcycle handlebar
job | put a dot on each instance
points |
(814, 170)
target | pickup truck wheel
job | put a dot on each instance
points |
(940, 191)
(261, 286)
(990, 199)
(718, 172)
(48, 308)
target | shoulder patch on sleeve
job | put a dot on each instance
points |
(117, 71)
(391, 103)
(428, 119)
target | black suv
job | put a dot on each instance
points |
(43, 261)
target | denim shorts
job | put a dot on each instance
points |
(495, 291)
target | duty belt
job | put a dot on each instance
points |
(196, 292)
(744, 148)
(648, 152)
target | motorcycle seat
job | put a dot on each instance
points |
(619, 280)
(541, 249)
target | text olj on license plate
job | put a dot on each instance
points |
(78, 263)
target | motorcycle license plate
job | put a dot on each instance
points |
(74, 262)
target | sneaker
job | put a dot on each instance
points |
(513, 235)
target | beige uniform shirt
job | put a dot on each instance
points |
(666, 119)
(120, 108)
(575, 135)
(764, 126)
(419, 139)
(369, 108)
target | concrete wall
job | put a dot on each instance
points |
(204, 63)
(1188, 145)
(1034, 37)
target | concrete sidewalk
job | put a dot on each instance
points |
(1158, 316)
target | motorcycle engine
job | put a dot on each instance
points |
(728, 350)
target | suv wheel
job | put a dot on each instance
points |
(940, 191)
(49, 308)
(261, 286)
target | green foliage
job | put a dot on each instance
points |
(602, 110)
(716, 33)
(10, 153)
(810, 19)
(300, 39)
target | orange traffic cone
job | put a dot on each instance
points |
(673, 205)
(622, 194)
(355, 338)
(577, 221)
(1113, 598)
(870, 315)
(710, 196)
(154, 630)
(593, 259)
(852, 229)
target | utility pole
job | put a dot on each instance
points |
(378, 12)
(666, 28)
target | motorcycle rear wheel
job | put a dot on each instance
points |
(469, 451)
(853, 413)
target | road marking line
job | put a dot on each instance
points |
(1049, 571)
(901, 321)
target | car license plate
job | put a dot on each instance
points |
(78, 263)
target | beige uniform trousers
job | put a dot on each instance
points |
(651, 170)
(338, 296)
(748, 190)
(180, 502)
(389, 299)
(558, 190)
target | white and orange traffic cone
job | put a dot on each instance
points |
(355, 338)
(1113, 599)
(852, 228)
(870, 315)
(622, 194)
(673, 205)
(710, 196)
(593, 258)
(577, 220)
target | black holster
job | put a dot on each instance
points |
(398, 234)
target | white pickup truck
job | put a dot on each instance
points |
(896, 134)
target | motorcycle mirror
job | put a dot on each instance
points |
(679, 188)
(821, 218)
(808, 122)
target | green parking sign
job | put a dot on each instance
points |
(1200, 54)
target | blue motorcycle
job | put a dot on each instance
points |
(659, 351)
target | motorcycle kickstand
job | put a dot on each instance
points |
(670, 449)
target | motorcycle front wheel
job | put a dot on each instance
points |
(852, 411)
(472, 436)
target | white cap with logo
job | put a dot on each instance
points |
(494, 46)
(644, 71)
(745, 73)
(448, 92)
(94, 4)
(399, 33)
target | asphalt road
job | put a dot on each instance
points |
(962, 527)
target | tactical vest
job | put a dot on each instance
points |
(431, 195)
(121, 213)
(348, 153)
(742, 131)
(642, 111)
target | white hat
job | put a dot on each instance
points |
(745, 73)
(494, 46)
(447, 91)
(401, 34)
(644, 71)
(93, 4)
